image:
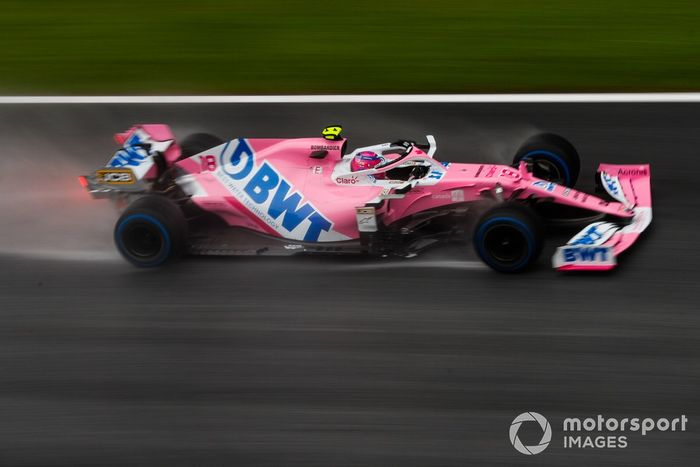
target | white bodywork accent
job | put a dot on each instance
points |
(366, 219)
(612, 185)
(641, 220)
(343, 175)
(433, 145)
(191, 186)
(596, 233)
(161, 146)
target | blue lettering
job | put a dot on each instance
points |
(266, 183)
(603, 254)
(590, 237)
(288, 205)
(132, 154)
(242, 148)
(133, 140)
(571, 255)
(610, 182)
(549, 186)
(129, 156)
(587, 254)
(318, 224)
(258, 188)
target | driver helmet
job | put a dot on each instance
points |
(366, 160)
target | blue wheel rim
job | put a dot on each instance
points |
(554, 158)
(520, 226)
(163, 253)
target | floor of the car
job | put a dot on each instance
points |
(232, 241)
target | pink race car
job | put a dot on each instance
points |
(310, 195)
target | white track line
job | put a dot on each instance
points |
(659, 97)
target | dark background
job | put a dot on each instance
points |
(337, 361)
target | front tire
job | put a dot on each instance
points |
(151, 232)
(509, 238)
(553, 158)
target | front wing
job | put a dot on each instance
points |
(598, 245)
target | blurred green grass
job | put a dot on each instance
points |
(389, 46)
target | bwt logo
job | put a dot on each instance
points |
(265, 186)
(586, 254)
(546, 433)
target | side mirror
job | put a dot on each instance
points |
(525, 168)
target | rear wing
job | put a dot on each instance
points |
(598, 245)
(146, 150)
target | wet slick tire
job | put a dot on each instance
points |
(509, 238)
(552, 158)
(198, 142)
(151, 232)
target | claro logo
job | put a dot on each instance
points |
(347, 180)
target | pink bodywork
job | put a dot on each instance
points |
(278, 187)
(337, 202)
(309, 178)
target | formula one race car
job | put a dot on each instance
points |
(309, 195)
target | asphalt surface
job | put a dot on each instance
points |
(338, 361)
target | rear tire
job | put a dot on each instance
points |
(509, 238)
(151, 232)
(553, 158)
(198, 142)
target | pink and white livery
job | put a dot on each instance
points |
(311, 195)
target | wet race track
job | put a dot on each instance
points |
(339, 361)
